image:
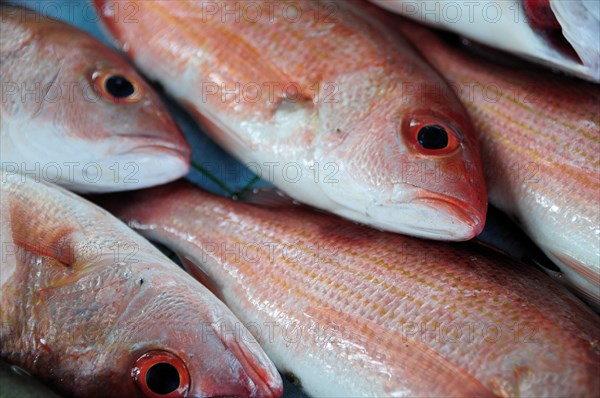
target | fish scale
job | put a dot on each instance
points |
(540, 143)
(379, 300)
(82, 321)
(334, 104)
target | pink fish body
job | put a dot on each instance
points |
(560, 34)
(351, 311)
(93, 309)
(327, 107)
(540, 139)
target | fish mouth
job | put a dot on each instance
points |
(431, 217)
(140, 166)
(466, 217)
(267, 382)
(408, 209)
(154, 145)
(148, 142)
(165, 150)
(257, 377)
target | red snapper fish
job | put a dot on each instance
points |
(93, 309)
(321, 99)
(351, 311)
(75, 113)
(540, 139)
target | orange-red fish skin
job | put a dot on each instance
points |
(358, 89)
(83, 297)
(540, 139)
(367, 313)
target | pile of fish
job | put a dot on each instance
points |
(360, 312)
(557, 33)
(383, 138)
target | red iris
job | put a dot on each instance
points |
(161, 374)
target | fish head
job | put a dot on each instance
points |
(176, 339)
(404, 158)
(114, 316)
(125, 125)
(96, 113)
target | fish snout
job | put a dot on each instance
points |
(149, 159)
(248, 388)
(272, 393)
(466, 220)
(431, 217)
(263, 379)
(160, 130)
(149, 143)
(245, 369)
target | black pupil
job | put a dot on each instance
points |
(119, 87)
(162, 378)
(433, 137)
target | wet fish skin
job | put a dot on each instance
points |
(60, 122)
(540, 139)
(347, 127)
(338, 304)
(85, 299)
(559, 34)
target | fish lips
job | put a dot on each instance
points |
(410, 210)
(142, 166)
(467, 221)
(260, 381)
(439, 218)
(167, 149)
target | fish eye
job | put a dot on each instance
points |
(117, 88)
(161, 374)
(430, 136)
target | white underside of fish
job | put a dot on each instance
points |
(83, 166)
(327, 185)
(503, 25)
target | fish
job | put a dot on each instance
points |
(75, 113)
(540, 140)
(17, 382)
(503, 234)
(317, 98)
(347, 310)
(90, 307)
(561, 35)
